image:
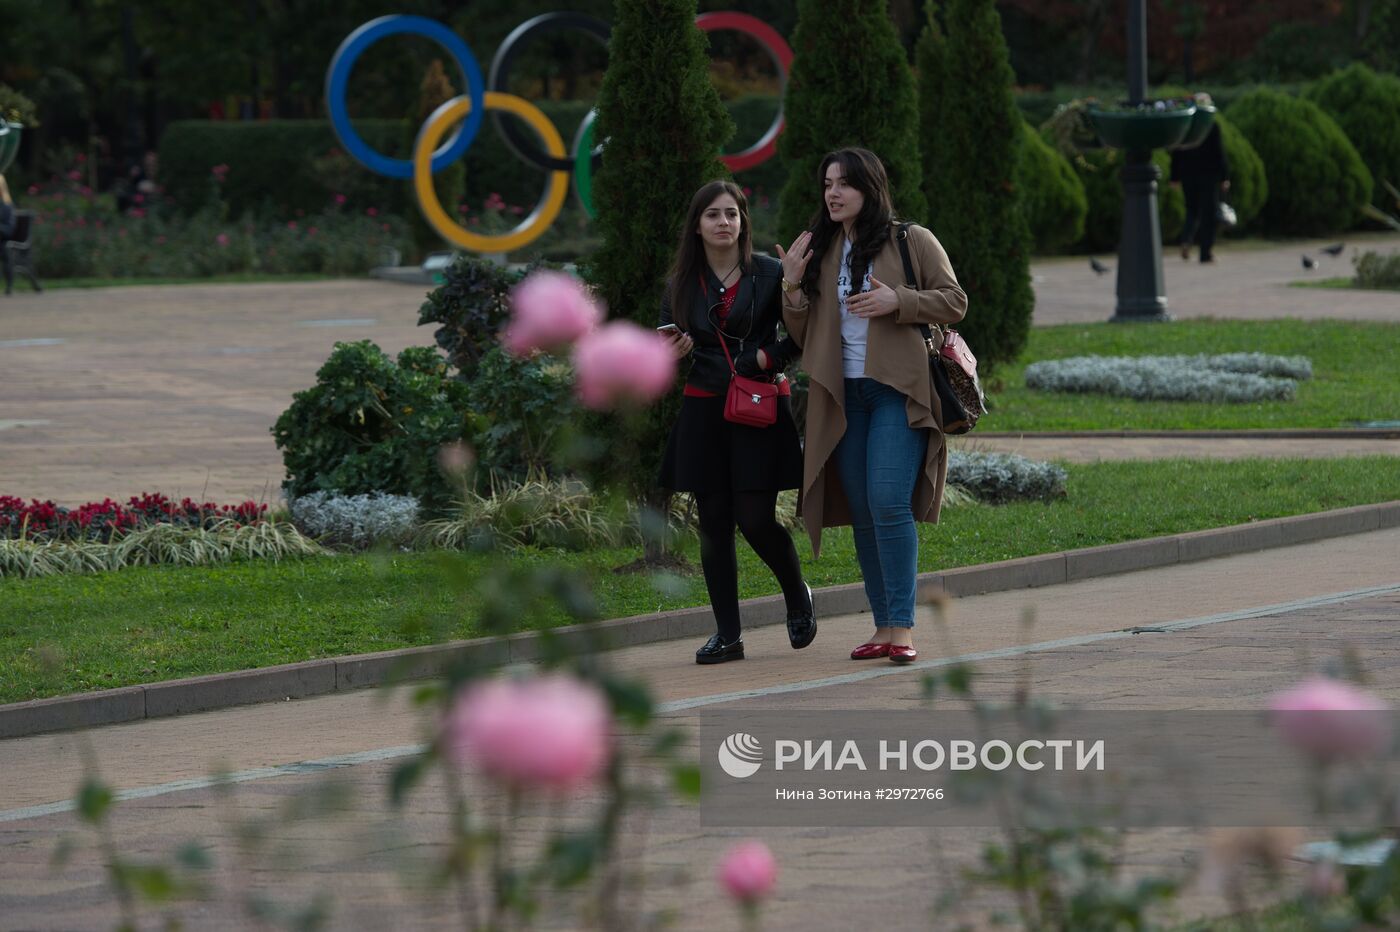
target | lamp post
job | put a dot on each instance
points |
(1142, 291)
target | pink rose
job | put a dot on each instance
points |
(748, 871)
(545, 733)
(622, 363)
(221, 239)
(340, 198)
(372, 211)
(1331, 720)
(549, 310)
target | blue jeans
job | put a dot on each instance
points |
(880, 457)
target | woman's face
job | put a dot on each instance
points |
(843, 202)
(720, 223)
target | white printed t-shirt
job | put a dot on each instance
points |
(853, 329)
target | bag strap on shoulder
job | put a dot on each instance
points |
(901, 236)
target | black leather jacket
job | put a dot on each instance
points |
(752, 325)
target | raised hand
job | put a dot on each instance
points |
(880, 299)
(796, 257)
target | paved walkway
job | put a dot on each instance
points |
(117, 391)
(1271, 616)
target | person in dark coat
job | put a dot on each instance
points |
(1203, 174)
(721, 296)
(7, 231)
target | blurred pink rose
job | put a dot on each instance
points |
(544, 733)
(1325, 881)
(748, 871)
(312, 231)
(75, 175)
(1332, 720)
(456, 459)
(372, 211)
(622, 363)
(221, 239)
(340, 198)
(549, 310)
(291, 224)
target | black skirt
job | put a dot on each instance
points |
(706, 453)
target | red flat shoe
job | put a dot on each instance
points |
(871, 651)
(902, 654)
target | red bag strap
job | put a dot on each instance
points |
(724, 345)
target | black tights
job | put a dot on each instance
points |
(753, 512)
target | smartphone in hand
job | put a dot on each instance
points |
(668, 329)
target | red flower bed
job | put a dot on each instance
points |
(107, 520)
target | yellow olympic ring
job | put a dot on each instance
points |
(533, 226)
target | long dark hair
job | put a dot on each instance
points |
(866, 173)
(690, 254)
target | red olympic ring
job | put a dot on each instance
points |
(778, 49)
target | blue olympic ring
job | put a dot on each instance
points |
(338, 79)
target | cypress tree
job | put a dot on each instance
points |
(975, 133)
(663, 127)
(850, 85)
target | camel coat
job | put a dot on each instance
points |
(895, 355)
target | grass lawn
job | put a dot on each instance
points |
(1339, 283)
(68, 634)
(241, 278)
(1355, 378)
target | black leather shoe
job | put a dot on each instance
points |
(717, 651)
(802, 628)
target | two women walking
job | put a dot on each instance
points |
(874, 456)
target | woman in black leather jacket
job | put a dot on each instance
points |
(719, 290)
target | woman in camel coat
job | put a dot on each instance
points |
(875, 456)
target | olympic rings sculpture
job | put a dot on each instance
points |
(431, 154)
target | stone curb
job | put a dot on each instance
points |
(319, 677)
(1334, 433)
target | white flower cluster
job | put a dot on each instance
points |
(1232, 377)
(1005, 477)
(356, 520)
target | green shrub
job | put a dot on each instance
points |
(850, 85)
(1052, 196)
(1249, 184)
(1366, 105)
(1100, 171)
(1317, 181)
(519, 407)
(472, 307)
(371, 424)
(1374, 270)
(16, 107)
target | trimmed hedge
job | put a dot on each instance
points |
(282, 166)
(1052, 196)
(1366, 105)
(1249, 183)
(1317, 181)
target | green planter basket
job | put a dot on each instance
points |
(1200, 127)
(9, 143)
(1142, 129)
